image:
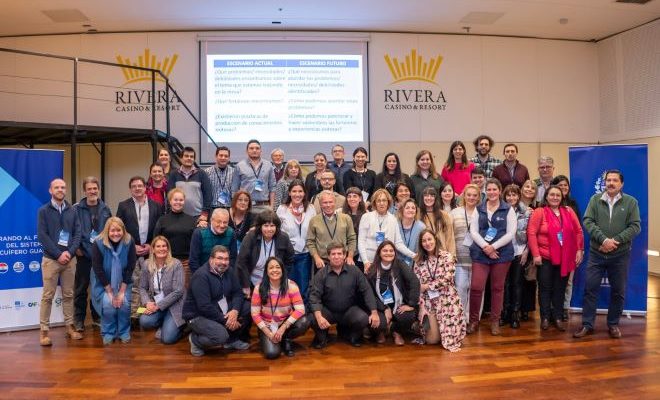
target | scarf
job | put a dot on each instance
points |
(116, 266)
(563, 255)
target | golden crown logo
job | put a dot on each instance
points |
(147, 60)
(414, 68)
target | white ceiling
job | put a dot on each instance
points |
(587, 19)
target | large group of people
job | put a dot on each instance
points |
(420, 258)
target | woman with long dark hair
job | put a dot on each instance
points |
(457, 169)
(425, 173)
(391, 175)
(295, 214)
(397, 293)
(360, 176)
(278, 310)
(441, 312)
(355, 208)
(436, 219)
(240, 217)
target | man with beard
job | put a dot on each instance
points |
(483, 144)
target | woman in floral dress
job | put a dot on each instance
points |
(440, 311)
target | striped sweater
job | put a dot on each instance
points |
(277, 308)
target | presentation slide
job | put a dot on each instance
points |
(285, 97)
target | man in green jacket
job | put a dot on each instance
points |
(612, 220)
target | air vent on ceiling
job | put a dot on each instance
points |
(66, 15)
(481, 17)
(633, 1)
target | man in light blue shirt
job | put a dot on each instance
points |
(256, 176)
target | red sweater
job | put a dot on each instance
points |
(537, 234)
(458, 177)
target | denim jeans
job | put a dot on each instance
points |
(116, 322)
(169, 332)
(301, 272)
(617, 274)
(462, 278)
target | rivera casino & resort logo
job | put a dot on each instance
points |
(414, 68)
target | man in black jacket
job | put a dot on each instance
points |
(93, 214)
(214, 306)
(140, 215)
(58, 231)
(339, 293)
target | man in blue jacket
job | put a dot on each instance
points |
(214, 306)
(58, 231)
(93, 213)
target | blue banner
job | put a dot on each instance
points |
(25, 177)
(588, 165)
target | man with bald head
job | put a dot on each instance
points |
(59, 232)
(218, 232)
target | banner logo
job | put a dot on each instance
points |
(34, 266)
(4, 268)
(414, 68)
(147, 60)
(18, 267)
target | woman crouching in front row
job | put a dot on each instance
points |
(278, 311)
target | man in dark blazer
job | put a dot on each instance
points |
(139, 214)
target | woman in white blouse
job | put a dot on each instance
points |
(295, 214)
(378, 225)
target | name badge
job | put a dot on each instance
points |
(433, 293)
(223, 198)
(259, 185)
(92, 236)
(560, 237)
(467, 240)
(380, 237)
(223, 305)
(159, 297)
(365, 196)
(388, 298)
(63, 239)
(490, 234)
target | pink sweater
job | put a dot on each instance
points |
(458, 177)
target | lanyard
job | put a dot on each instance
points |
(332, 234)
(431, 224)
(428, 269)
(467, 221)
(380, 222)
(409, 238)
(361, 176)
(277, 302)
(159, 274)
(257, 172)
(223, 183)
(268, 250)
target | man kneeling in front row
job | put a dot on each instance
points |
(214, 306)
(338, 294)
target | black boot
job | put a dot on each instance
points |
(515, 320)
(524, 316)
(287, 346)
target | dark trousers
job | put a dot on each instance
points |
(552, 287)
(208, 334)
(513, 287)
(80, 286)
(272, 350)
(401, 323)
(353, 321)
(617, 275)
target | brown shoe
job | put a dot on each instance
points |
(380, 339)
(560, 325)
(44, 340)
(615, 333)
(495, 328)
(584, 331)
(398, 339)
(472, 327)
(72, 333)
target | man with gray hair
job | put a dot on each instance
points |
(328, 226)
(277, 159)
(218, 232)
(546, 167)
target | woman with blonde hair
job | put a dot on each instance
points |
(425, 173)
(113, 261)
(378, 225)
(161, 292)
(292, 171)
